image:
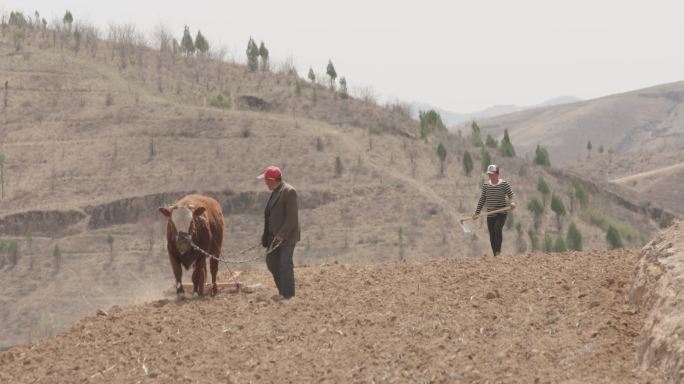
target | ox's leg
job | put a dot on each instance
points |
(199, 276)
(213, 263)
(213, 267)
(177, 273)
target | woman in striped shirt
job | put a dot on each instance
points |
(494, 194)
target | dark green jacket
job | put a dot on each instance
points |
(282, 216)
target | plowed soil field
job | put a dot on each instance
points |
(537, 318)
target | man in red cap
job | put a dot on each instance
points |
(281, 231)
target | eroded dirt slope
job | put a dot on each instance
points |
(533, 318)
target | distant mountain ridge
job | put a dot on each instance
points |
(451, 118)
(650, 119)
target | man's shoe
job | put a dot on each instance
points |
(277, 298)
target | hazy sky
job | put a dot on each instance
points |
(458, 55)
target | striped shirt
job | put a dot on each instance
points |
(494, 196)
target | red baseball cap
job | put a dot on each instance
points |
(271, 173)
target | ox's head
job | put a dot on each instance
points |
(182, 218)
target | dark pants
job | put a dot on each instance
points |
(495, 224)
(279, 262)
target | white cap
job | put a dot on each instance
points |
(491, 168)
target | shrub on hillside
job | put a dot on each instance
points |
(574, 238)
(339, 168)
(520, 244)
(57, 257)
(541, 156)
(581, 195)
(491, 142)
(13, 254)
(486, 159)
(559, 245)
(613, 238)
(602, 221)
(344, 93)
(534, 239)
(548, 243)
(430, 121)
(217, 99)
(665, 220)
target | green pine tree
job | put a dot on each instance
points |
(343, 88)
(491, 142)
(467, 163)
(541, 156)
(201, 44)
(312, 77)
(544, 189)
(252, 55)
(187, 45)
(558, 208)
(68, 20)
(475, 135)
(507, 149)
(330, 71)
(263, 54)
(442, 154)
(537, 209)
(486, 159)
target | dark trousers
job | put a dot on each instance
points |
(495, 224)
(279, 262)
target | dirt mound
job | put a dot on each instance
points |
(657, 290)
(532, 318)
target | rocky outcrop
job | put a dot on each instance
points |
(252, 103)
(133, 209)
(49, 223)
(658, 289)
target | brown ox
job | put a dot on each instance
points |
(198, 219)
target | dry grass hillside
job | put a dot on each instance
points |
(655, 176)
(636, 138)
(644, 120)
(94, 140)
